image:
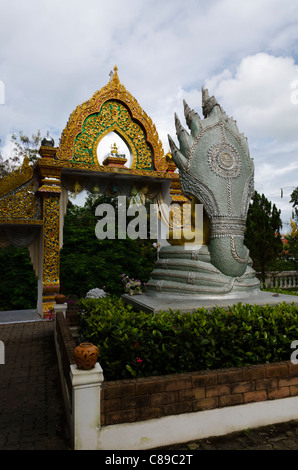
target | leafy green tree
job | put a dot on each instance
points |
(26, 146)
(18, 287)
(262, 235)
(294, 200)
(292, 238)
(21, 145)
(87, 262)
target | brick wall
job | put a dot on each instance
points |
(133, 400)
(66, 346)
(126, 401)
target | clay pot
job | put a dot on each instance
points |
(85, 355)
(60, 299)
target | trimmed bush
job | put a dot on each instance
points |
(138, 344)
(18, 288)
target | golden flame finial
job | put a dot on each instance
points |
(114, 80)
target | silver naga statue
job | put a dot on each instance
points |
(215, 170)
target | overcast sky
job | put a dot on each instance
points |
(55, 54)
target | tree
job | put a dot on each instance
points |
(22, 145)
(292, 238)
(18, 288)
(262, 234)
(87, 262)
(294, 200)
(27, 146)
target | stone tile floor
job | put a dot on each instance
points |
(19, 316)
(31, 407)
(283, 436)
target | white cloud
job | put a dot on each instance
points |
(259, 92)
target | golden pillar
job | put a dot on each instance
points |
(183, 209)
(50, 192)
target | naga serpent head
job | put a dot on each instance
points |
(215, 168)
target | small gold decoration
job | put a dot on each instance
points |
(21, 204)
(96, 189)
(171, 164)
(16, 178)
(114, 149)
(77, 188)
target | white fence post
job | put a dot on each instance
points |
(60, 308)
(86, 388)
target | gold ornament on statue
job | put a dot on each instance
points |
(114, 149)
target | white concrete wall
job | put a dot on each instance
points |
(199, 425)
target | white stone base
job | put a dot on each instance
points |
(199, 425)
(155, 303)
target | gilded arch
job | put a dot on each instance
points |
(114, 108)
(113, 117)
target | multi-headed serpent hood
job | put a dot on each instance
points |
(215, 167)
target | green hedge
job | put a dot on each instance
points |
(18, 287)
(138, 344)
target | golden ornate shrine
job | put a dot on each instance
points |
(33, 199)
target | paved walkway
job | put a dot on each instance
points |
(32, 411)
(19, 316)
(31, 407)
(283, 436)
